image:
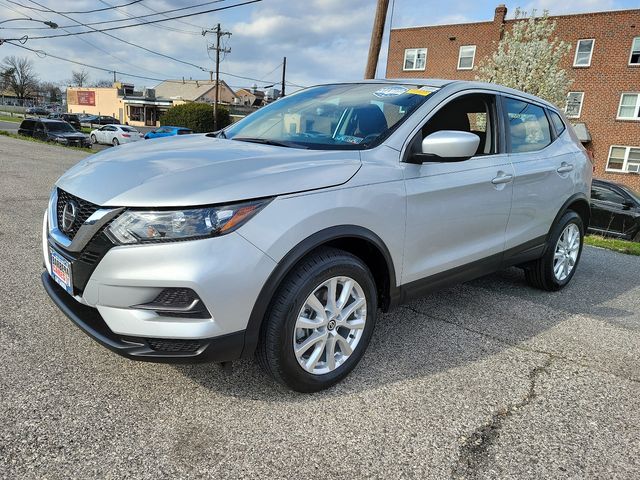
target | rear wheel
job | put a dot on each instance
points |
(320, 321)
(115, 142)
(558, 265)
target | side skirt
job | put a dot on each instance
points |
(522, 254)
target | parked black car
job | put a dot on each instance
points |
(101, 120)
(615, 210)
(71, 118)
(53, 131)
(37, 111)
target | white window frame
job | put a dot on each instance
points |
(567, 104)
(575, 56)
(404, 61)
(625, 163)
(473, 57)
(633, 41)
(636, 113)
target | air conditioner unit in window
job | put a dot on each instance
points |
(633, 168)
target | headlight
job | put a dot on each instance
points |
(136, 226)
(62, 140)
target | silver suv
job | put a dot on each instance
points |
(282, 235)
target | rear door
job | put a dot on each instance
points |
(544, 172)
(457, 212)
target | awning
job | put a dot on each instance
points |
(582, 132)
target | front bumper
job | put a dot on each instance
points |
(219, 349)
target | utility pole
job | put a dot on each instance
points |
(284, 70)
(114, 76)
(376, 38)
(219, 34)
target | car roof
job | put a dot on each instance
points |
(456, 84)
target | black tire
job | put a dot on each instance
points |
(539, 274)
(115, 142)
(275, 348)
(94, 140)
(637, 237)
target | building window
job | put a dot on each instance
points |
(584, 51)
(634, 59)
(629, 108)
(573, 109)
(624, 159)
(415, 59)
(466, 57)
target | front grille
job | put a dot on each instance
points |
(85, 210)
(174, 346)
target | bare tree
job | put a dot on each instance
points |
(529, 58)
(19, 77)
(79, 78)
(104, 82)
(52, 91)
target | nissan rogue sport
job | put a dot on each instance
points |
(282, 235)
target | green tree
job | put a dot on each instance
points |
(529, 58)
(196, 116)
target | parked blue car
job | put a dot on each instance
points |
(167, 132)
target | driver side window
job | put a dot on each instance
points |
(474, 113)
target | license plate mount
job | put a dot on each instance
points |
(61, 271)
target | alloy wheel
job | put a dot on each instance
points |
(566, 252)
(330, 325)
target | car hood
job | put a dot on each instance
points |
(68, 134)
(200, 170)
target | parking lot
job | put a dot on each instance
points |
(489, 379)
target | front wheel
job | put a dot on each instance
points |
(320, 321)
(94, 140)
(558, 265)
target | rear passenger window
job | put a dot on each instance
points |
(558, 124)
(529, 128)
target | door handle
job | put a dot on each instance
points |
(502, 178)
(565, 168)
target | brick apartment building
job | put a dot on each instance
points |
(604, 62)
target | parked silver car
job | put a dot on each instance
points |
(282, 235)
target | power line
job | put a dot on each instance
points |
(43, 54)
(162, 13)
(81, 11)
(96, 46)
(125, 41)
(178, 21)
(162, 27)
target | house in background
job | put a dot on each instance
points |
(604, 101)
(121, 101)
(251, 97)
(195, 91)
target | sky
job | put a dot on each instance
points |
(323, 40)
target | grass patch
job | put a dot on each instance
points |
(7, 118)
(615, 244)
(31, 139)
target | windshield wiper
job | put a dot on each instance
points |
(266, 141)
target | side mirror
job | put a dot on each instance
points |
(628, 204)
(447, 146)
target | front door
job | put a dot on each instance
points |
(457, 212)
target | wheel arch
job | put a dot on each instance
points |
(578, 203)
(354, 239)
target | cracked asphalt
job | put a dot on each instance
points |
(489, 379)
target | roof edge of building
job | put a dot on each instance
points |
(508, 20)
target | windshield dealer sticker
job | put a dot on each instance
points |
(418, 91)
(392, 91)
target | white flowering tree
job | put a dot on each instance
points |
(529, 58)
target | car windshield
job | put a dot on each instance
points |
(634, 193)
(59, 127)
(346, 116)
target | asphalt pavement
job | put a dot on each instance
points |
(489, 379)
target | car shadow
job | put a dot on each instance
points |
(454, 327)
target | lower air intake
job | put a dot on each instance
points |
(174, 346)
